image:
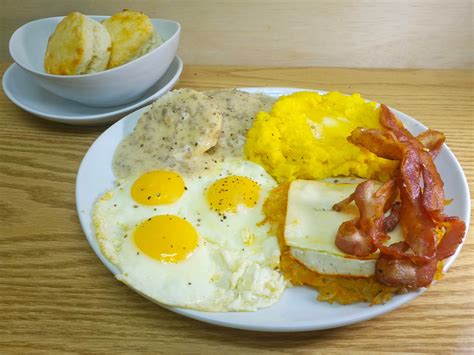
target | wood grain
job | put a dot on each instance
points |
(343, 33)
(56, 296)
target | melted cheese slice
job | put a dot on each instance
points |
(311, 228)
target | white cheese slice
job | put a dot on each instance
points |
(331, 264)
(311, 227)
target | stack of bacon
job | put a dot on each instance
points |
(413, 262)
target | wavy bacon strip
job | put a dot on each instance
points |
(413, 262)
(391, 221)
(358, 237)
(351, 240)
(382, 143)
(433, 192)
(418, 228)
(403, 271)
(431, 140)
(455, 229)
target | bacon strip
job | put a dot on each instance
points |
(411, 173)
(382, 143)
(455, 229)
(432, 140)
(411, 263)
(359, 237)
(344, 203)
(433, 193)
(391, 221)
(351, 240)
(394, 125)
(402, 271)
(433, 187)
(418, 228)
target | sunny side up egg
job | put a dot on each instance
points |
(194, 241)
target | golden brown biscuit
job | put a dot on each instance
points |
(79, 45)
(133, 35)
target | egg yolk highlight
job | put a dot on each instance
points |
(166, 238)
(157, 188)
(227, 193)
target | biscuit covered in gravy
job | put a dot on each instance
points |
(181, 125)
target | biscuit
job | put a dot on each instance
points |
(133, 35)
(78, 45)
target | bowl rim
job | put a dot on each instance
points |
(116, 69)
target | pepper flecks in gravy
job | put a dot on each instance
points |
(187, 130)
(238, 111)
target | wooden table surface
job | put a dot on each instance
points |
(55, 295)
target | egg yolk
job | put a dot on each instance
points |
(227, 193)
(166, 238)
(158, 188)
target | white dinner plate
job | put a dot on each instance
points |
(298, 309)
(24, 92)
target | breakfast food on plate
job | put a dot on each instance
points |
(335, 194)
(357, 252)
(133, 35)
(192, 240)
(430, 236)
(182, 225)
(183, 124)
(304, 136)
(238, 111)
(79, 45)
(186, 123)
(311, 224)
(332, 276)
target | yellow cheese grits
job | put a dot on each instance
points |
(304, 136)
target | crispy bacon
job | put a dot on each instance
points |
(358, 237)
(351, 240)
(455, 229)
(391, 221)
(394, 125)
(403, 271)
(411, 173)
(418, 228)
(433, 187)
(344, 203)
(432, 140)
(411, 263)
(382, 143)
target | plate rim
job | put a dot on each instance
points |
(395, 303)
(87, 118)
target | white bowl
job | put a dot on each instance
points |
(117, 86)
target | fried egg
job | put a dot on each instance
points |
(193, 240)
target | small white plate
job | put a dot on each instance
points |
(297, 310)
(26, 94)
